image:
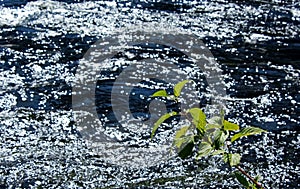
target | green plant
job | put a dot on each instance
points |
(208, 136)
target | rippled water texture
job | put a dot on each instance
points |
(255, 43)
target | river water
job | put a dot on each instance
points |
(42, 43)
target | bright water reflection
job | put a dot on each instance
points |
(41, 42)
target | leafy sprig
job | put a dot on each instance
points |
(212, 136)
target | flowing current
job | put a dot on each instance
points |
(254, 48)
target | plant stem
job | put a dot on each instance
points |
(259, 185)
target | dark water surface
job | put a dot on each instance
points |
(256, 43)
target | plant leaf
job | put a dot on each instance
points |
(230, 126)
(182, 131)
(160, 93)
(180, 137)
(212, 126)
(182, 141)
(242, 179)
(178, 87)
(216, 120)
(235, 159)
(232, 159)
(199, 118)
(219, 138)
(204, 149)
(246, 132)
(161, 120)
(187, 150)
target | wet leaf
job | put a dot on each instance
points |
(230, 126)
(160, 93)
(180, 143)
(180, 138)
(246, 132)
(216, 120)
(204, 149)
(178, 87)
(219, 139)
(161, 120)
(232, 159)
(212, 126)
(235, 159)
(242, 179)
(199, 118)
(187, 150)
(181, 132)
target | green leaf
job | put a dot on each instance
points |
(187, 150)
(216, 120)
(199, 118)
(219, 139)
(160, 93)
(178, 87)
(235, 159)
(232, 159)
(246, 132)
(180, 138)
(182, 131)
(204, 149)
(230, 126)
(161, 120)
(212, 126)
(184, 144)
(183, 141)
(242, 179)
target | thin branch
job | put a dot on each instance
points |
(259, 185)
